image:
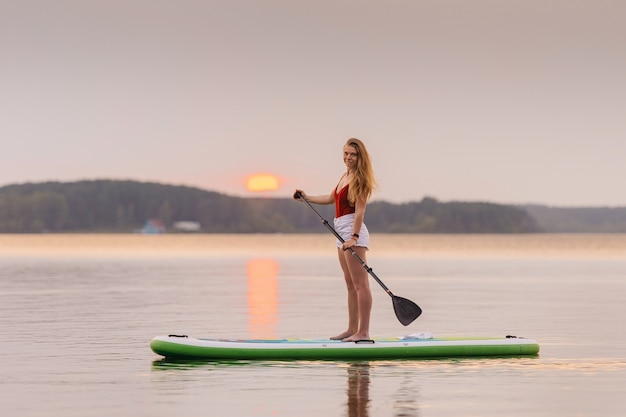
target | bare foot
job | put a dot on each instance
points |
(342, 335)
(356, 338)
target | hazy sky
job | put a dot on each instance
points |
(492, 100)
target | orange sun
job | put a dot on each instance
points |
(262, 182)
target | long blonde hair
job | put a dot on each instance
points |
(363, 182)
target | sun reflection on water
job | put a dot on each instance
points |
(262, 276)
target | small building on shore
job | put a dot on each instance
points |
(186, 226)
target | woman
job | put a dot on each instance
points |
(350, 197)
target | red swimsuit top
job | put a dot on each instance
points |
(342, 205)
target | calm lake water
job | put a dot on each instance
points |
(78, 313)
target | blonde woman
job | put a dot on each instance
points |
(350, 197)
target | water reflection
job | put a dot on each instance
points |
(359, 403)
(405, 401)
(358, 389)
(358, 392)
(262, 297)
(172, 364)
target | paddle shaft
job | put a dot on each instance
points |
(352, 251)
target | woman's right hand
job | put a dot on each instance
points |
(298, 195)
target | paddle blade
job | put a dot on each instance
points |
(406, 310)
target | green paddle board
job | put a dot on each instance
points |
(182, 346)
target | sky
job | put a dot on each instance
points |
(503, 101)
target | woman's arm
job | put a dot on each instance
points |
(359, 215)
(317, 199)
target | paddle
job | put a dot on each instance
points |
(406, 310)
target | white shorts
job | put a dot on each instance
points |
(343, 226)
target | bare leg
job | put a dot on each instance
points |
(361, 285)
(353, 307)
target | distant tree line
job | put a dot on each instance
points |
(124, 206)
(578, 219)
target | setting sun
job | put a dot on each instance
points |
(262, 182)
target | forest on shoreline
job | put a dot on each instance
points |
(122, 206)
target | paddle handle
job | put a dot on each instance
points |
(338, 236)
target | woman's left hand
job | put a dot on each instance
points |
(348, 243)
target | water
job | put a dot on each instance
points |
(78, 312)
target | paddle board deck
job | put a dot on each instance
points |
(182, 346)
